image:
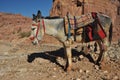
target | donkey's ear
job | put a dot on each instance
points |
(39, 14)
(34, 17)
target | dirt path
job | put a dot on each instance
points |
(19, 62)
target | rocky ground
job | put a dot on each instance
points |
(22, 61)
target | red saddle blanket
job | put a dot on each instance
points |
(94, 34)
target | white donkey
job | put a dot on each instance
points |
(55, 28)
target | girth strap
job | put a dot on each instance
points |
(69, 26)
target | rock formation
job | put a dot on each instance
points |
(13, 25)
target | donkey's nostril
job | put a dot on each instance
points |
(31, 38)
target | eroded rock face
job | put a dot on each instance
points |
(12, 25)
(79, 7)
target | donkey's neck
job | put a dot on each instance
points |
(55, 27)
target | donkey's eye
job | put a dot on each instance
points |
(32, 28)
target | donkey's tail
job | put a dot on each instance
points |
(110, 33)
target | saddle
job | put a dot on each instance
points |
(77, 22)
(87, 25)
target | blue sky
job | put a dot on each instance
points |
(26, 7)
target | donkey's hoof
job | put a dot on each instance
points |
(68, 69)
(97, 67)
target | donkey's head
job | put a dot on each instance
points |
(37, 28)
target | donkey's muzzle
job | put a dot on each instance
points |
(32, 38)
(34, 43)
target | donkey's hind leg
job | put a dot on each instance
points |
(101, 53)
(105, 46)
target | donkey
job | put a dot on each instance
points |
(55, 28)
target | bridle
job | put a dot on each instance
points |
(38, 28)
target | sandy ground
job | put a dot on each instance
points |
(46, 62)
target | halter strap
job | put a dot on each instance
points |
(38, 28)
(34, 24)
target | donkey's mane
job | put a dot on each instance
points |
(54, 17)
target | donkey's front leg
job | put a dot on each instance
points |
(68, 52)
(69, 58)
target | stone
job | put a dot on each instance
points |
(87, 71)
(96, 67)
(119, 42)
(77, 79)
(115, 78)
(54, 69)
(105, 72)
(81, 56)
(80, 70)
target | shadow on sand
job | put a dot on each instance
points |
(53, 55)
